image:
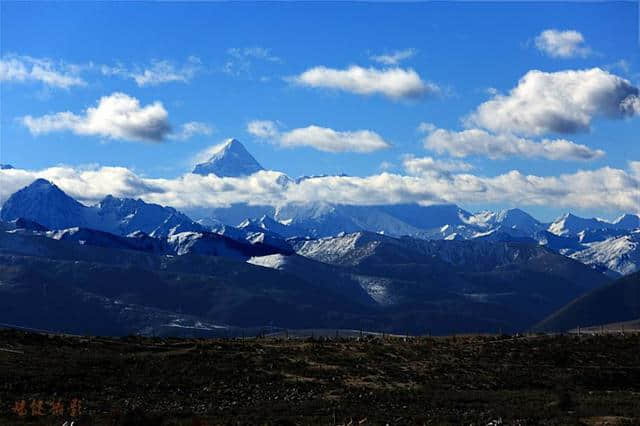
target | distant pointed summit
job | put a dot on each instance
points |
(231, 159)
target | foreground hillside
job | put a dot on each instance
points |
(612, 303)
(559, 380)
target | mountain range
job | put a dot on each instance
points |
(398, 268)
(607, 246)
(81, 280)
(46, 204)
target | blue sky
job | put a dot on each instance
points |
(239, 62)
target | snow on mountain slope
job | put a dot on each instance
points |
(273, 261)
(231, 159)
(231, 215)
(270, 225)
(331, 249)
(594, 235)
(258, 232)
(334, 278)
(22, 224)
(619, 254)
(570, 224)
(564, 245)
(321, 219)
(125, 215)
(212, 244)
(509, 223)
(470, 255)
(137, 241)
(318, 219)
(377, 288)
(203, 243)
(518, 220)
(251, 232)
(46, 204)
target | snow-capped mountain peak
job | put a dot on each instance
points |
(229, 159)
(570, 224)
(519, 220)
(46, 204)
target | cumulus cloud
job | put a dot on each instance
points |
(562, 44)
(395, 57)
(157, 72)
(421, 165)
(607, 188)
(634, 166)
(558, 102)
(320, 138)
(394, 83)
(631, 105)
(15, 68)
(117, 116)
(496, 146)
(329, 140)
(190, 129)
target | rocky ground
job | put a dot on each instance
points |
(480, 380)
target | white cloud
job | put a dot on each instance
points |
(395, 57)
(606, 188)
(562, 44)
(560, 102)
(329, 140)
(14, 68)
(632, 105)
(157, 72)
(241, 59)
(117, 116)
(480, 142)
(190, 129)
(320, 138)
(394, 83)
(386, 166)
(254, 52)
(622, 65)
(426, 127)
(421, 165)
(634, 166)
(264, 129)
